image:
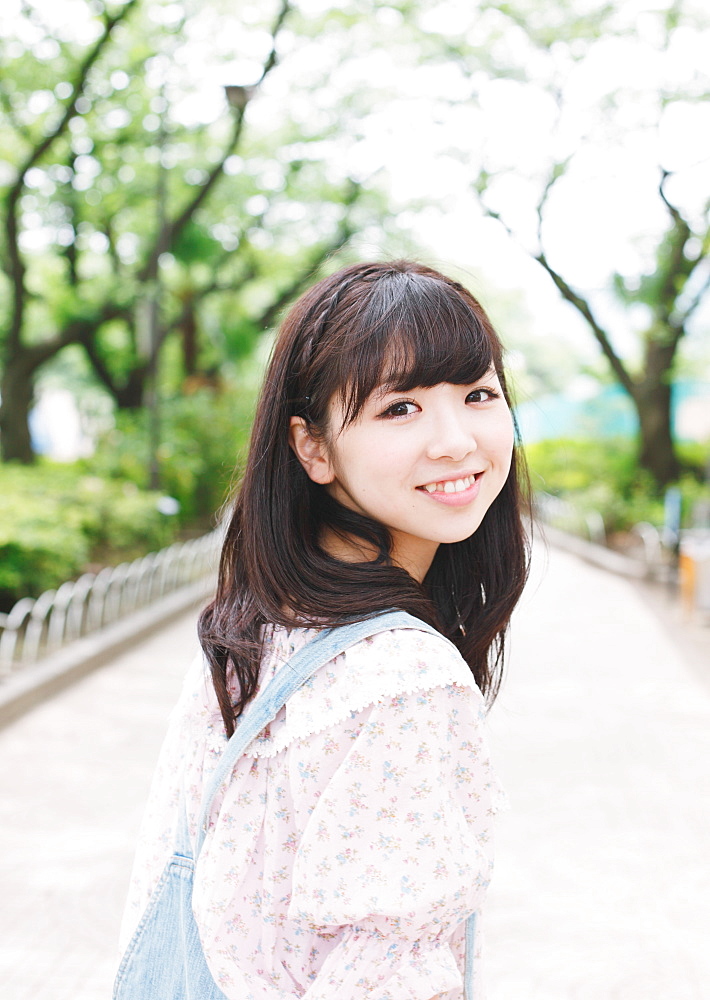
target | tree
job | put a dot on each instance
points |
(604, 92)
(127, 218)
(680, 257)
(21, 359)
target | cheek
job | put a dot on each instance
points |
(351, 460)
(502, 439)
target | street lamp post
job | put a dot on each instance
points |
(154, 316)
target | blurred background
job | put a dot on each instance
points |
(174, 173)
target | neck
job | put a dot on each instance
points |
(415, 558)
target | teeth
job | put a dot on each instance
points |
(451, 485)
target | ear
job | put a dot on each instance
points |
(310, 451)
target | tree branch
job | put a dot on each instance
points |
(173, 228)
(110, 22)
(696, 300)
(342, 235)
(108, 231)
(70, 252)
(101, 369)
(213, 287)
(574, 298)
(84, 332)
(266, 319)
(35, 355)
(583, 307)
(15, 264)
(678, 219)
(677, 264)
(277, 26)
(557, 171)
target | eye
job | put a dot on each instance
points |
(402, 408)
(482, 395)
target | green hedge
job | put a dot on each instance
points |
(604, 476)
(56, 521)
(204, 437)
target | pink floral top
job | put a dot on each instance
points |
(354, 837)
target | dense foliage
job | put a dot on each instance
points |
(57, 522)
(142, 204)
(603, 476)
(204, 441)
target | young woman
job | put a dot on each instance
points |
(342, 851)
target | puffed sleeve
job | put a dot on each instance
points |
(396, 853)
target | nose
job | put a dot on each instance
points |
(451, 436)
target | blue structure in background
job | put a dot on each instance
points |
(609, 414)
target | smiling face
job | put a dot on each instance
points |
(427, 463)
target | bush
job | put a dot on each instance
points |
(603, 476)
(203, 438)
(56, 521)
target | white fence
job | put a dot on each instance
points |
(35, 627)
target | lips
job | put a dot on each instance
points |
(451, 485)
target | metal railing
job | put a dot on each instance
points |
(645, 542)
(35, 627)
(564, 515)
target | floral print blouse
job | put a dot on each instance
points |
(354, 837)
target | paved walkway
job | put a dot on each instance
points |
(75, 775)
(601, 736)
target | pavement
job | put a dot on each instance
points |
(602, 739)
(601, 735)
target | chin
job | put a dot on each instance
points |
(451, 538)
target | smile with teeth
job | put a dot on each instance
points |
(451, 485)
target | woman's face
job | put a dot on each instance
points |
(426, 464)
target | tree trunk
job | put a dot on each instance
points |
(131, 395)
(188, 328)
(652, 397)
(17, 392)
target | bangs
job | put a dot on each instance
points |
(413, 331)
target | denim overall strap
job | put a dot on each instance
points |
(470, 940)
(303, 664)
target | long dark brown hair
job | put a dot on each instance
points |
(408, 325)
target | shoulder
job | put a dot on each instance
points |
(399, 660)
(372, 671)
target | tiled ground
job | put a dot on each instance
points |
(601, 735)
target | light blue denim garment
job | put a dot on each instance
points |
(164, 960)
